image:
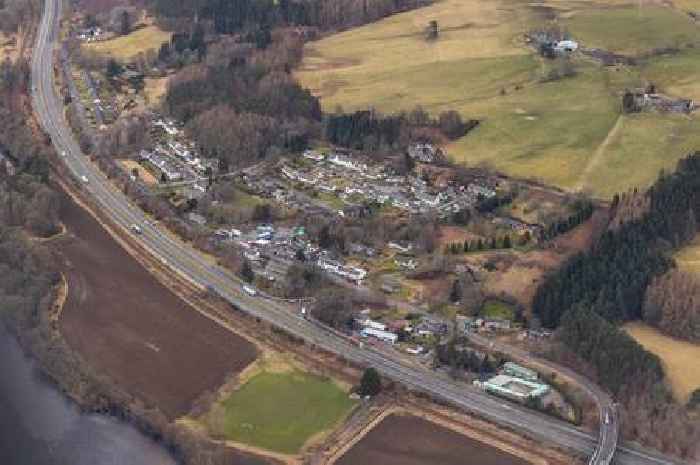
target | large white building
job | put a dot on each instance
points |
(385, 336)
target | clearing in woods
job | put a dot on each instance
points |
(679, 358)
(481, 67)
(127, 48)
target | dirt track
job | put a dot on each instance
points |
(409, 440)
(130, 327)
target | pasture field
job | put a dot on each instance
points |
(566, 132)
(688, 258)
(280, 410)
(679, 358)
(126, 48)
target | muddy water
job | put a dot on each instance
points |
(39, 426)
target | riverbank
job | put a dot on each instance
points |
(40, 426)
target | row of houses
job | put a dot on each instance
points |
(355, 182)
(388, 332)
(351, 273)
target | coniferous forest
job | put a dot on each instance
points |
(607, 285)
(612, 278)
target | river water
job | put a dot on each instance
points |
(40, 426)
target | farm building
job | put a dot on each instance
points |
(565, 46)
(385, 336)
(513, 388)
(517, 371)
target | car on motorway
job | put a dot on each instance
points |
(251, 291)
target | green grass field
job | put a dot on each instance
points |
(281, 411)
(126, 48)
(566, 132)
(497, 309)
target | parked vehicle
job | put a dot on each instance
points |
(251, 291)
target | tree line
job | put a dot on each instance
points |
(672, 304)
(583, 210)
(370, 130)
(612, 278)
(230, 17)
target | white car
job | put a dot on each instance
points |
(136, 228)
(63, 153)
(84, 179)
(251, 291)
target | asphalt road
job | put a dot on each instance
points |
(189, 263)
(609, 421)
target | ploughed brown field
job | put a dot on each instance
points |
(409, 440)
(130, 327)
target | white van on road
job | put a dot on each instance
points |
(251, 291)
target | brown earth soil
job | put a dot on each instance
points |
(130, 327)
(409, 440)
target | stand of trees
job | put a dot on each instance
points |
(456, 355)
(235, 16)
(597, 289)
(619, 360)
(583, 210)
(612, 278)
(241, 104)
(370, 130)
(672, 304)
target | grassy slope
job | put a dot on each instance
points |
(688, 258)
(126, 48)
(549, 131)
(281, 411)
(679, 358)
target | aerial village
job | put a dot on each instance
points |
(452, 242)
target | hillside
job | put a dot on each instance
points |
(568, 131)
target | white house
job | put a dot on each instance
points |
(385, 336)
(565, 46)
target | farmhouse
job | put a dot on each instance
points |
(563, 46)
